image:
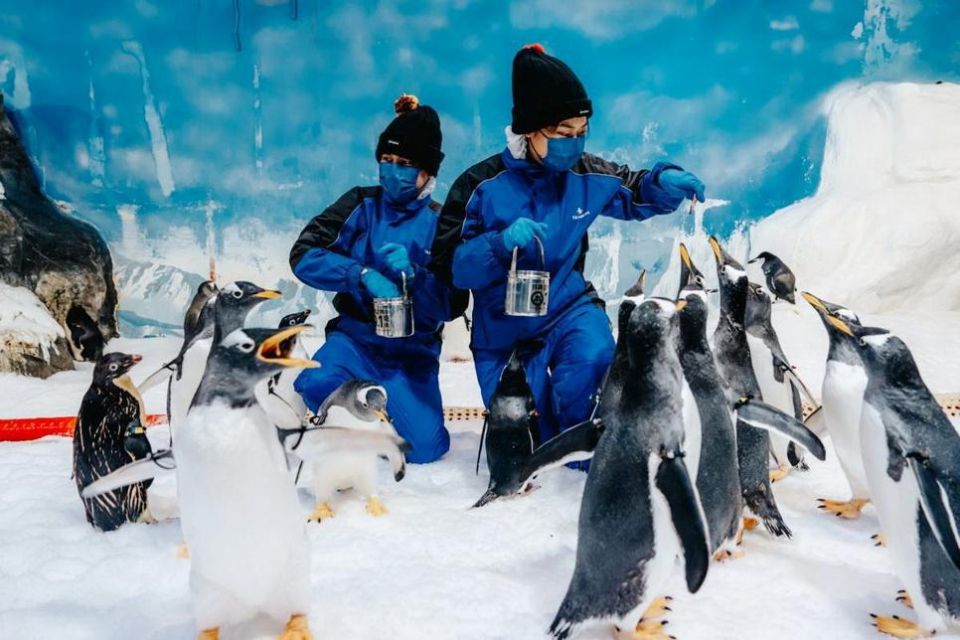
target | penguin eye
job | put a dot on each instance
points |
(114, 367)
(246, 347)
(237, 293)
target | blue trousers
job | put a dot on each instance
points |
(413, 391)
(564, 374)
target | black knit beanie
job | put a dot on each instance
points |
(545, 91)
(414, 134)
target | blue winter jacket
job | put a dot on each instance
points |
(337, 244)
(492, 194)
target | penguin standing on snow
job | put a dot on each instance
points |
(911, 456)
(240, 513)
(639, 510)
(344, 441)
(109, 435)
(780, 280)
(844, 383)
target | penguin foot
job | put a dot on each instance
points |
(650, 630)
(320, 513)
(298, 628)
(375, 507)
(723, 555)
(899, 627)
(747, 524)
(146, 517)
(904, 598)
(879, 540)
(209, 634)
(183, 551)
(658, 608)
(778, 474)
(849, 510)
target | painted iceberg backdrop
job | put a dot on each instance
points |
(215, 129)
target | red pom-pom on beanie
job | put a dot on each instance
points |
(406, 102)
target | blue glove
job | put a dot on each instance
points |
(522, 232)
(394, 259)
(680, 184)
(378, 285)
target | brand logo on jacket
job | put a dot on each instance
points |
(580, 213)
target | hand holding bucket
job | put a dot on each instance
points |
(528, 291)
(393, 317)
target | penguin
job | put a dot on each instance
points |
(85, 339)
(911, 457)
(779, 383)
(240, 513)
(640, 510)
(733, 358)
(510, 433)
(780, 279)
(343, 441)
(844, 383)
(109, 434)
(278, 397)
(228, 312)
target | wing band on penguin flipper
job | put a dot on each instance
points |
(936, 508)
(673, 481)
(763, 416)
(575, 444)
(132, 473)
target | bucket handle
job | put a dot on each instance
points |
(403, 283)
(543, 257)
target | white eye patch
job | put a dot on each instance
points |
(232, 290)
(239, 340)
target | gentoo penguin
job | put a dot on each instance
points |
(111, 419)
(733, 358)
(911, 456)
(509, 436)
(350, 432)
(844, 383)
(278, 397)
(229, 311)
(240, 513)
(639, 511)
(780, 280)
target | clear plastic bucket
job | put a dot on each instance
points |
(528, 291)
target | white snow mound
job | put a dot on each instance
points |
(881, 232)
(25, 320)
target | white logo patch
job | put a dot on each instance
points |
(580, 214)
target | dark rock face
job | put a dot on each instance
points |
(62, 259)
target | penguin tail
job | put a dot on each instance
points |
(762, 505)
(489, 496)
(560, 628)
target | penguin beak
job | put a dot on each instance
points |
(383, 415)
(685, 256)
(274, 351)
(840, 325)
(680, 305)
(717, 251)
(268, 294)
(815, 302)
(135, 358)
(643, 279)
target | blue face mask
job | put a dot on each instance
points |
(563, 153)
(399, 182)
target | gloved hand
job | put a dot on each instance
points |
(394, 259)
(522, 232)
(378, 285)
(680, 184)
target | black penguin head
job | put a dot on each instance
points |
(829, 309)
(690, 277)
(692, 314)
(514, 375)
(370, 401)
(885, 356)
(293, 319)
(234, 302)
(653, 325)
(759, 305)
(243, 358)
(113, 365)
(207, 289)
(733, 281)
(765, 256)
(631, 298)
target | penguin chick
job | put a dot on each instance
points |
(102, 442)
(780, 280)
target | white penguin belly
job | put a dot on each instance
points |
(342, 471)
(182, 390)
(241, 518)
(897, 505)
(693, 432)
(843, 387)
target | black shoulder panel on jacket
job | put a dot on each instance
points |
(324, 229)
(590, 163)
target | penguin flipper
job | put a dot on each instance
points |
(934, 501)
(792, 376)
(673, 481)
(816, 422)
(571, 445)
(763, 416)
(132, 473)
(156, 377)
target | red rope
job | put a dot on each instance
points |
(19, 429)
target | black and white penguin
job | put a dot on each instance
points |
(278, 397)
(344, 441)
(109, 434)
(780, 279)
(640, 510)
(240, 513)
(844, 383)
(911, 456)
(83, 335)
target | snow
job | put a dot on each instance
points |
(25, 320)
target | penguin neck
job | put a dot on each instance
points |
(226, 389)
(733, 306)
(227, 320)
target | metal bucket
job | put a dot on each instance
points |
(393, 317)
(528, 292)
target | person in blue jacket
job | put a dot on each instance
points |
(359, 247)
(543, 186)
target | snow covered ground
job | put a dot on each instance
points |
(432, 568)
